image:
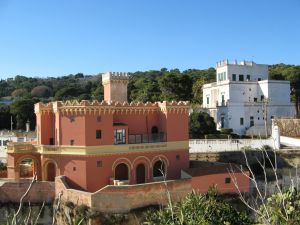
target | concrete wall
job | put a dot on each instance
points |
(223, 145)
(12, 191)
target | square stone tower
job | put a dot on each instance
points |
(115, 86)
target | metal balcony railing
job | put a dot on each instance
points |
(146, 138)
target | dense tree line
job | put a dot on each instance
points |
(290, 73)
(153, 85)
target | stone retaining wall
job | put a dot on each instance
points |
(12, 191)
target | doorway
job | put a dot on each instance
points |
(140, 174)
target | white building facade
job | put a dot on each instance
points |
(244, 99)
(13, 136)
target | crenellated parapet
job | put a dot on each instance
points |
(174, 107)
(112, 107)
(40, 108)
(115, 77)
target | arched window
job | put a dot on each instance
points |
(159, 169)
(121, 172)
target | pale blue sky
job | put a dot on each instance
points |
(59, 37)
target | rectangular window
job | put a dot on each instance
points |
(248, 77)
(207, 100)
(241, 121)
(258, 79)
(262, 98)
(72, 142)
(98, 134)
(241, 77)
(251, 121)
(233, 77)
(255, 99)
(227, 180)
(120, 136)
(177, 157)
(99, 163)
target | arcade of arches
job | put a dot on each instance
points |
(122, 172)
(28, 166)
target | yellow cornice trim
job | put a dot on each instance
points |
(112, 149)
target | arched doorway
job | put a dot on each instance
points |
(51, 171)
(140, 174)
(27, 168)
(159, 169)
(121, 172)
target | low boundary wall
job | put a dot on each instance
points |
(12, 191)
(120, 199)
(223, 145)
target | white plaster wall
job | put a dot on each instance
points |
(255, 71)
(221, 145)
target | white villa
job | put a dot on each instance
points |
(244, 99)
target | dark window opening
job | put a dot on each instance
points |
(258, 79)
(227, 180)
(98, 119)
(72, 142)
(154, 130)
(51, 141)
(99, 163)
(251, 121)
(177, 157)
(222, 122)
(233, 77)
(241, 77)
(255, 99)
(248, 77)
(241, 121)
(74, 168)
(262, 97)
(98, 134)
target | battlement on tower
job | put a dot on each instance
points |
(112, 106)
(114, 76)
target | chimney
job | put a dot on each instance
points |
(115, 86)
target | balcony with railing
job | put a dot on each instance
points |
(146, 138)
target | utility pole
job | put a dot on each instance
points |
(11, 123)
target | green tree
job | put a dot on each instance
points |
(68, 93)
(41, 91)
(201, 123)
(23, 110)
(202, 209)
(5, 117)
(293, 75)
(282, 208)
(22, 92)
